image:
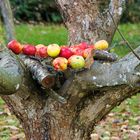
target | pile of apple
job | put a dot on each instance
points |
(63, 56)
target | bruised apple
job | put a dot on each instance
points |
(76, 62)
(60, 63)
(87, 52)
(15, 46)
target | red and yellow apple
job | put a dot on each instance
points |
(87, 52)
(76, 50)
(60, 63)
(65, 52)
(76, 62)
(29, 50)
(15, 46)
(101, 45)
(53, 50)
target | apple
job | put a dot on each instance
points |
(41, 51)
(101, 45)
(76, 62)
(40, 46)
(76, 50)
(83, 45)
(65, 52)
(15, 46)
(53, 50)
(29, 49)
(91, 46)
(87, 52)
(60, 63)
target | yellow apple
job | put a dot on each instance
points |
(53, 50)
(101, 45)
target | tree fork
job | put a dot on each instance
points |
(90, 94)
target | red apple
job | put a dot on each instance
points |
(65, 52)
(41, 51)
(29, 49)
(60, 63)
(15, 46)
(76, 50)
(83, 45)
(91, 46)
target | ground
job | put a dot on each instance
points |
(122, 123)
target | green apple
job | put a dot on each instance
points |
(53, 50)
(76, 62)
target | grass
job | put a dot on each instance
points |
(47, 34)
(131, 33)
(42, 34)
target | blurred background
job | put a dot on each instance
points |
(46, 11)
(39, 22)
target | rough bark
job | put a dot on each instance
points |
(8, 19)
(88, 20)
(98, 90)
(90, 94)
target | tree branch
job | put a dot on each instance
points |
(39, 72)
(101, 75)
(8, 19)
(11, 74)
(99, 90)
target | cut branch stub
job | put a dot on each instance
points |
(39, 72)
(105, 56)
(11, 74)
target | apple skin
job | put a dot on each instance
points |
(29, 50)
(79, 49)
(53, 50)
(65, 52)
(76, 62)
(41, 51)
(87, 52)
(83, 45)
(60, 63)
(101, 45)
(76, 50)
(15, 46)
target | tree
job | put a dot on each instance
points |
(89, 95)
(8, 19)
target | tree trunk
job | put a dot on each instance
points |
(8, 19)
(90, 94)
(89, 20)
